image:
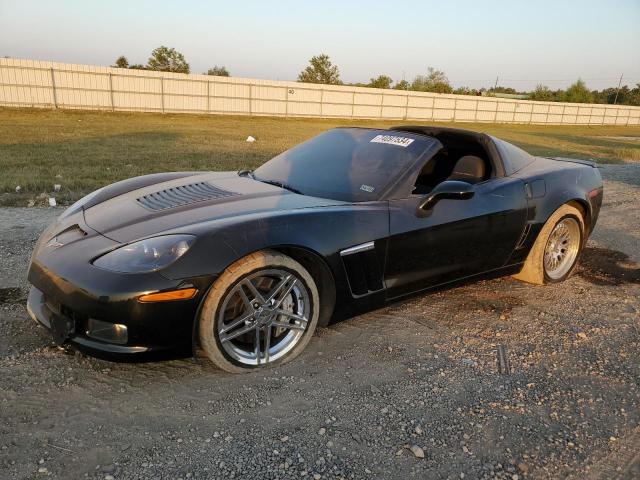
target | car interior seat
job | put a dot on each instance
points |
(469, 168)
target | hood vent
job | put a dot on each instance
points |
(68, 235)
(183, 195)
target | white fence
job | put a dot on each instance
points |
(27, 83)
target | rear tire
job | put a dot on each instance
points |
(555, 253)
(262, 311)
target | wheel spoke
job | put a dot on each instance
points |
(236, 323)
(257, 346)
(267, 343)
(245, 299)
(290, 326)
(550, 259)
(291, 315)
(254, 291)
(284, 295)
(277, 288)
(237, 333)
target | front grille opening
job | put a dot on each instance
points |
(183, 195)
(79, 320)
(107, 332)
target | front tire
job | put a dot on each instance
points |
(262, 311)
(555, 253)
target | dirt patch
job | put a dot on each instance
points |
(490, 302)
(602, 266)
(12, 295)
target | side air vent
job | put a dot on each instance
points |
(183, 195)
(363, 269)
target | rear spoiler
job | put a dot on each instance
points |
(590, 163)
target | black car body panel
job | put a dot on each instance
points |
(459, 239)
(407, 249)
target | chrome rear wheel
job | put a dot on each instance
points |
(562, 248)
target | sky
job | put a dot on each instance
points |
(523, 43)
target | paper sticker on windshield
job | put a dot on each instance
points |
(392, 140)
(367, 188)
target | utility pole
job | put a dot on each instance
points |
(618, 89)
(496, 85)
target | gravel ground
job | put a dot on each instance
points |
(409, 391)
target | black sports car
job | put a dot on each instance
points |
(245, 265)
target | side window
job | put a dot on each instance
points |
(464, 164)
(435, 171)
(514, 158)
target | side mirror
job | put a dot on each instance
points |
(450, 190)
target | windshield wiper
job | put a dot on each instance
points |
(280, 184)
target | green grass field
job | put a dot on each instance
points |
(82, 151)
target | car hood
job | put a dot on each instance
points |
(188, 201)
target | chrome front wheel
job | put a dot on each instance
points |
(263, 316)
(263, 310)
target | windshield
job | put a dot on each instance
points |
(348, 164)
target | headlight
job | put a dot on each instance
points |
(146, 255)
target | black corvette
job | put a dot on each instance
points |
(245, 265)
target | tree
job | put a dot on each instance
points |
(121, 62)
(220, 71)
(383, 81)
(619, 95)
(434, 81)
(634, 96)
(320, 70)
(464, 91)
(166, 59)
(402, 85)
(577, 93)
(542, 94)
(509, 90)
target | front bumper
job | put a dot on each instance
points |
(42, 313)
(79, 302)
(68, 310)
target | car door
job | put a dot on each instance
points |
(453, 238)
